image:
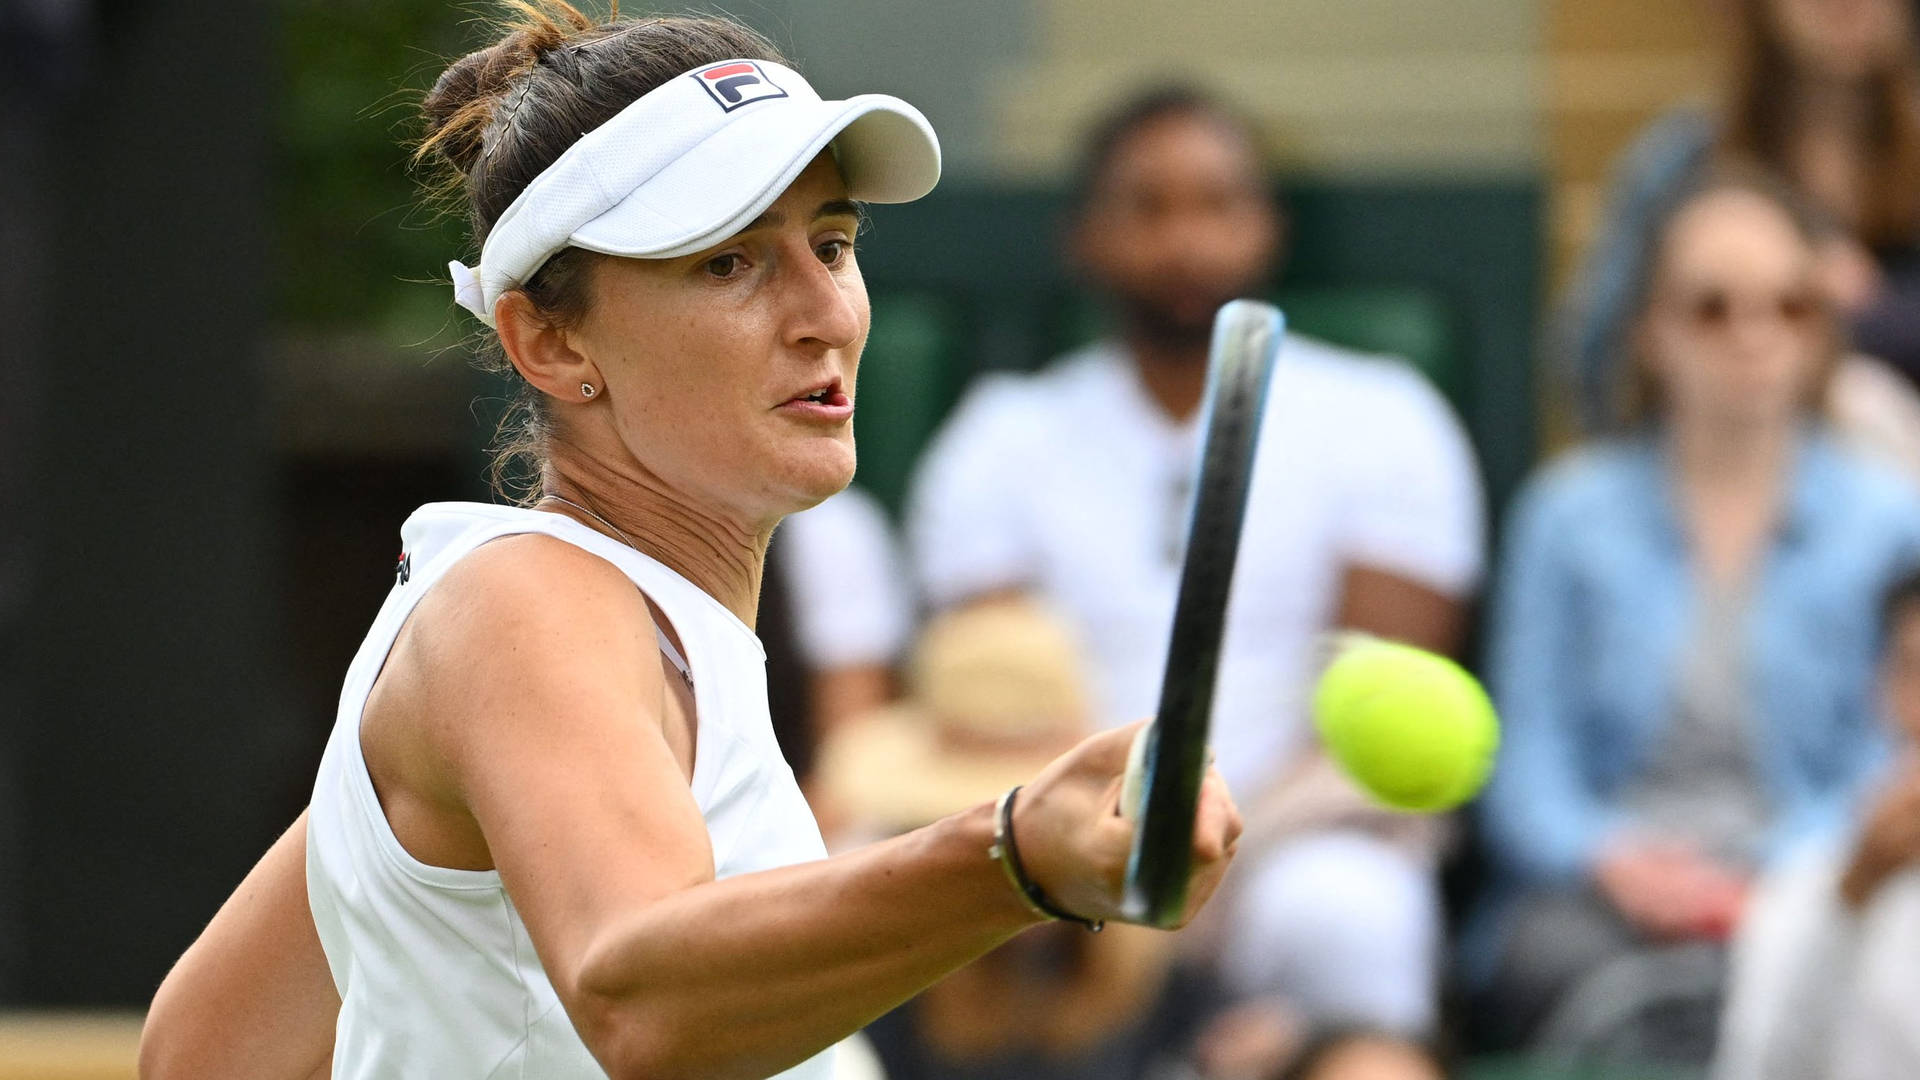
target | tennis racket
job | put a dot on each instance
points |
(1169, 757)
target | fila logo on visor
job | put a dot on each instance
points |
(737, 82)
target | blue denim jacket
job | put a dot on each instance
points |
(1591, 612)
(1593, 609)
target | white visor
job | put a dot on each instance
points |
(691, 163)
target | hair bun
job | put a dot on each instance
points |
(460, 107)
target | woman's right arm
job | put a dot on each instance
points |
(1538, 809)
(549, 711)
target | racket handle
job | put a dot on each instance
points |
(1133, 786)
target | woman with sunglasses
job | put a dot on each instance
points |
(1683, 636)
(552, 835)
(1827, 95)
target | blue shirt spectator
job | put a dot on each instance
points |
(1684, 632)
(1596, 597)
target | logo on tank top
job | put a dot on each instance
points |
(403, 569)
(734, 83)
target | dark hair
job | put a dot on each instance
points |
(499, 116)
(1324, 1042)
(1757, 124)
(1106, 137)
(1896, 603)
(1639, 397)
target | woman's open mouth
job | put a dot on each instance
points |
(825, 403)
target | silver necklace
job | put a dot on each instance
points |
(616, 529)
(673, 654)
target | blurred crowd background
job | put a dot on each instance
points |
(1603, 380)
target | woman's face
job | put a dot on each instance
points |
(730, 373)
(1843, 40)
(1735, 331)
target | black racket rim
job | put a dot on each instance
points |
(1246, 343)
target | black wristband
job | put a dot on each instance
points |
(1007, 853)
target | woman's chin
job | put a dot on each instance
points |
(819, 472)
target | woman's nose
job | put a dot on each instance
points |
(823, 305)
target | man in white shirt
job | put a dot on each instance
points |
(1074, 484)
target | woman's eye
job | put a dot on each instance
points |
(724, 266)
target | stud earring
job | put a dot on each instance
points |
(587, 390)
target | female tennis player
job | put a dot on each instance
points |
(552, 835)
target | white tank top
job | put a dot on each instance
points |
(436, 974)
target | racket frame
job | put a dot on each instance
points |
(1247, 335)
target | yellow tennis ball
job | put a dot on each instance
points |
(1411, 727)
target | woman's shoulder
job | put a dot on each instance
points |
(511, 637)
(1844, 482)
(1591, 478)
(531, 594)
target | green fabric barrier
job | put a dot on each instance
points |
(1411, 324)
(910, 375)
(1471, 248)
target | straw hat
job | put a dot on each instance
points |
(995, 692)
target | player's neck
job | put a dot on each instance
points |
(1174, 376)
(722, 558)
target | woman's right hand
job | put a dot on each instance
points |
(1669, 890)
(1074, 842)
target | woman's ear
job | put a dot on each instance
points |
(543, 353)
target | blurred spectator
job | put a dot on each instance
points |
(1683, 638)
(996, 692)
(1074, 485)
(1824, 983)
(1346, 1053)
(1826, 94)
(836, 610)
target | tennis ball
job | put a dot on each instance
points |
(1411, 727)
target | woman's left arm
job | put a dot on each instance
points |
(253, 997)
